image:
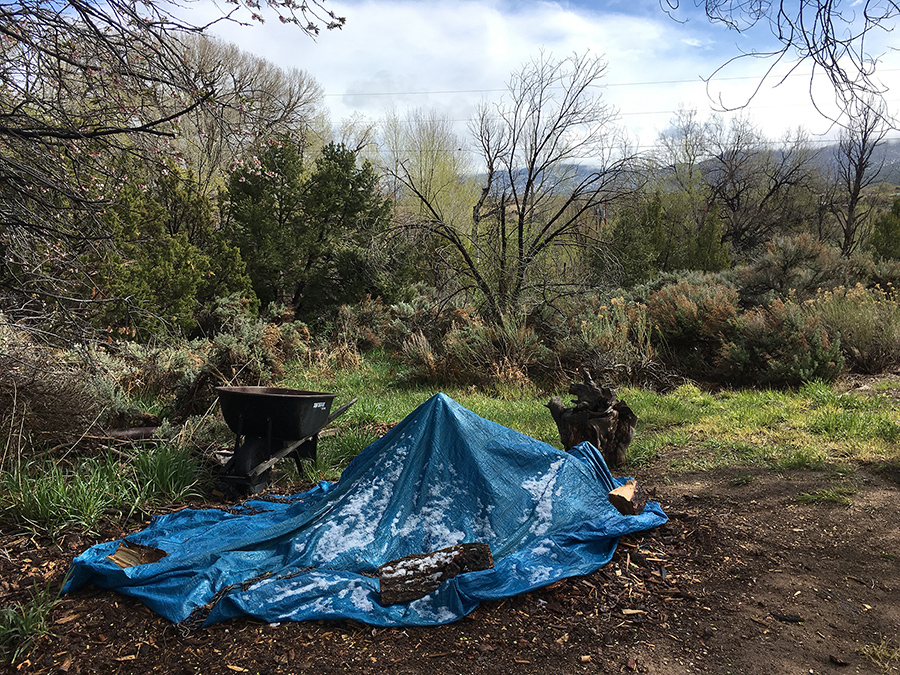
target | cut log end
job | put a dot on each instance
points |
(629, 499)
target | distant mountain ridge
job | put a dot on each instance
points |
(887, 155)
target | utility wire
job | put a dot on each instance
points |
(609, 85)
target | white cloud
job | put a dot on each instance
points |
(449, 55)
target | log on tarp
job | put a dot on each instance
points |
(597, 416)
(415, 576)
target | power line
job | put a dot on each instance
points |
(648, 83)
(673, 112)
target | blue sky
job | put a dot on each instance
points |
(450, 54)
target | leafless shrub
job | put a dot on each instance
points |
(45, 398)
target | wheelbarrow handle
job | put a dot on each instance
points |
(337, 413)
(269, 463)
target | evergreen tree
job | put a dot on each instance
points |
(267, 225)
(308, 237)
(661, 233)
(168, 259)
(886, 233)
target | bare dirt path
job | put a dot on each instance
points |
(744, 579)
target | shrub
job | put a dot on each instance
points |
(361, 325)
(475, 352)
(242, 351)
(371, 323)
(868, 322)
(45, 395)
(492, 352)
(872, 273)
(613, 342)
(886, 233)
(418, 353)
(794, 267)
(427, 314)
(780, 345)
(691, 322)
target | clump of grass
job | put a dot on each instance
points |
(741, 480)
(50, 495)
(840, 471)
(836, 495)
(842, 424)
(47, 496)
(883, 655)
(335, 453)
(730, 452)
(164, 472)
(798, 457)
(868, 320)
(24, 622)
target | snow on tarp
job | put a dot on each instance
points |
(442, 476)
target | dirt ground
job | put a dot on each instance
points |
(743, 579)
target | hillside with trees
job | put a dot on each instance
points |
(206, 196)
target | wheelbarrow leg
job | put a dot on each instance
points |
(307, 450)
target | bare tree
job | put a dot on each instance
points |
(422, 150)
(858, 167)
(549, 168)
(760, 190)
(85, 89)
(683, 152)
(256, 101)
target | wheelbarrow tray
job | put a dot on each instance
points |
(274, 412)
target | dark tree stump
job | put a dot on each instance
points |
(415, 576)
(597, 416)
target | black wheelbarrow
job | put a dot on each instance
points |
(270, 423)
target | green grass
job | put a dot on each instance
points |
(836, 495)
(51, 495)
(165, 473)
(335, 452)
(813, 428)
(384, 396)
(24, 622)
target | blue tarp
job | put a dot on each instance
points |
(443, 476)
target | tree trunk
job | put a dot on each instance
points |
(597, 417)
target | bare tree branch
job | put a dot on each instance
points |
(833, 36)
(88, 90)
